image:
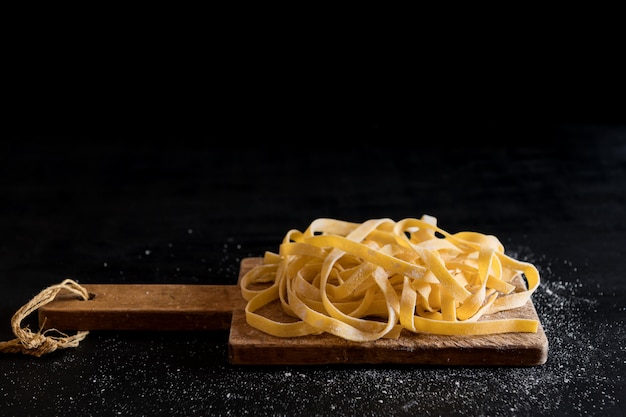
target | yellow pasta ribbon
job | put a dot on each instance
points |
(371, 280)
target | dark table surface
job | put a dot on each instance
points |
(109, 209)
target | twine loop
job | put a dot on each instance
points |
(42, 342)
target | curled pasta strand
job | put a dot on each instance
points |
(371, 280)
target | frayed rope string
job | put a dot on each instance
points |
(40, 343)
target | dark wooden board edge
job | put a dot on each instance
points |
(249, 346)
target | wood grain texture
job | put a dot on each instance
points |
(144, 307)
(220, 307)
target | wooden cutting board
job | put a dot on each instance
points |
(221, 307)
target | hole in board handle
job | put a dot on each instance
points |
(91, 297)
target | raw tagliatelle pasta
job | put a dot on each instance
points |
(371, 280)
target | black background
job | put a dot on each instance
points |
(174, 170)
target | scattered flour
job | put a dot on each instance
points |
(119, 374)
